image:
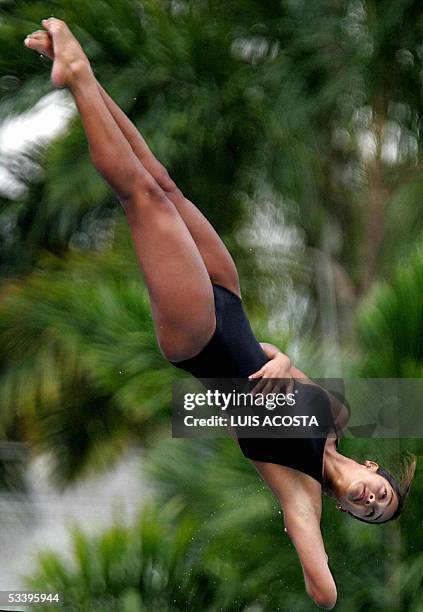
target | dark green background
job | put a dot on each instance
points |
(306, 112)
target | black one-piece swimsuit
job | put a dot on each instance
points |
(233, 352)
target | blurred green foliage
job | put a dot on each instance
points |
(310, 109)
(390, 324)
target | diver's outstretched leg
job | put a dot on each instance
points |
(179, 286)
(217, 259)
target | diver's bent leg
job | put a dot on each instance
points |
(177, 280)
(179, 286)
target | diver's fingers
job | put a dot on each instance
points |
(257, 374)
(259, 386)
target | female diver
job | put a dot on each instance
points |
(200, 321)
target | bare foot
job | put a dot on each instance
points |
(41, 42)
(69, 60)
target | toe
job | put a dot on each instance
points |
(30, 42)
(33, 43)
(37, 35)
(37, 44)
(53, 24)
(48, 24)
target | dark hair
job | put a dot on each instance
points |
(401, 486)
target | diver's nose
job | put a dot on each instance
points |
(370, 498)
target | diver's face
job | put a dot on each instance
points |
(367, 494)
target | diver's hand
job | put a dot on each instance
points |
(274, 375)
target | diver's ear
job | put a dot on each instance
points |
(372, 465)
(340, 508)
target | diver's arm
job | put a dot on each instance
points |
(304, 531)
(300, 498)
